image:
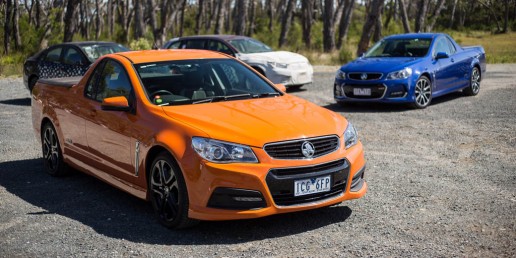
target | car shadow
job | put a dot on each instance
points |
(369, 107)
(115, 214)
(17, 102)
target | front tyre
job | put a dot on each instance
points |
(168, 193)
(52, 154)
(422, 93)
(474, 83)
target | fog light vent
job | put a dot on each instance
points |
(236, 199)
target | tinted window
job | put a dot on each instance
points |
(215, 45)
(73, 57)
(113, 82)
(175, 45)
(415, 47)
(94, 78)
(195, 44)
(451, 46)
(53, 55)
(441, 45)
(249, 45)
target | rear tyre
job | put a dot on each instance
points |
(474, 83)
(168, 193)
(422, 93)
(52, 154)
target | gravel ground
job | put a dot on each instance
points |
(442, 182)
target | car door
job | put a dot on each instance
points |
(50, 65)
(108, 133)
(460, 66)
(74, 62)
(444, 73)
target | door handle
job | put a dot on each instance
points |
(452, 60)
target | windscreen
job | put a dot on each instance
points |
(198, 81)
(249, 46)
(95, 51)
(415, 47)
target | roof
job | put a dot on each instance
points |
(160, 55)
(415, 35)
(223, 37)
(87, 43)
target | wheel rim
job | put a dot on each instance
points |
(423, 92)
(165, 190)
(50, 149)
(475, 80)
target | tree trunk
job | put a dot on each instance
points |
(421, 15)
(219, 25)
(378, 28)
(506, 18)
(111, 17)
(252, 13)
(182, 18)
(307, 9)
(16, 25)
(228, 20)
(285, 23)
(404, 16)
(367, 30)
(139, 23)
(198, 17)
(452, 14)
(391, 12)
(97, 20)
(345, 22)
(83, 25)
(241, 17)
(69, 20)
(270, 13)
(8, 14)
(435, 15)
(328, 31)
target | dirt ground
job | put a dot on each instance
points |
(442, 182)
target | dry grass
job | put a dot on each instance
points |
(500, 48)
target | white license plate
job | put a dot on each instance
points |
(312, 185)
(362, 91)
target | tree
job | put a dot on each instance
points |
(286, 22)
(330, 17)
(221, 14)
(307, 19)
(139, 23)
(241, 17)
(404, 16)
(345, 22)
(421, 15)
(16, 26)
(367, 30)
(8, 14)
(437, 11)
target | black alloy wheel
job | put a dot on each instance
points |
(168, 193)
(52, 154)
(474, 83)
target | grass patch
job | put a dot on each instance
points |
(500, 48)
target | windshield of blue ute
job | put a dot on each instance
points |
(414, 47)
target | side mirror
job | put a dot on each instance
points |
(115, 104)
(281, 87)
(441, 55)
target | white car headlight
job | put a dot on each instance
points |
(222, 152)
(350, 136)
(278, 65)
(401, 74)
(340, 75)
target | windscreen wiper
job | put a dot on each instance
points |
(268, 94)
(223, 98)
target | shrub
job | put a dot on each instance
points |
(140, 44)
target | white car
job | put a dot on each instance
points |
(287, 68)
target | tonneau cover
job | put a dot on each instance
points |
(62, 82)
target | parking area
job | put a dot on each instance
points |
(442, 182)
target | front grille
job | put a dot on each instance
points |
(281, 182)
(369, 76)
(292, 149)
(377, 91)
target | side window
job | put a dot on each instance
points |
(113, 82)
(175, 45)
(195, 44)
(441, 46)
(451, 47)
(215, 45)
(89, 92)
(73, 57)
(53, 55)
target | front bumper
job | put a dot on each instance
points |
(388, 91)
(295, 75)
(211, 190)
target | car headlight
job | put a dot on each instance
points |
(278, 65)
(222, 152)
(350, 136)
(340, 75)
(401, 74)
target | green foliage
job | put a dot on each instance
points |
(140, 44)
(345, 55)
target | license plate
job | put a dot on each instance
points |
(312, 185)
(362, 91)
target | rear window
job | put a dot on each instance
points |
(95, 51)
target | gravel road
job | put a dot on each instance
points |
(442, 182)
